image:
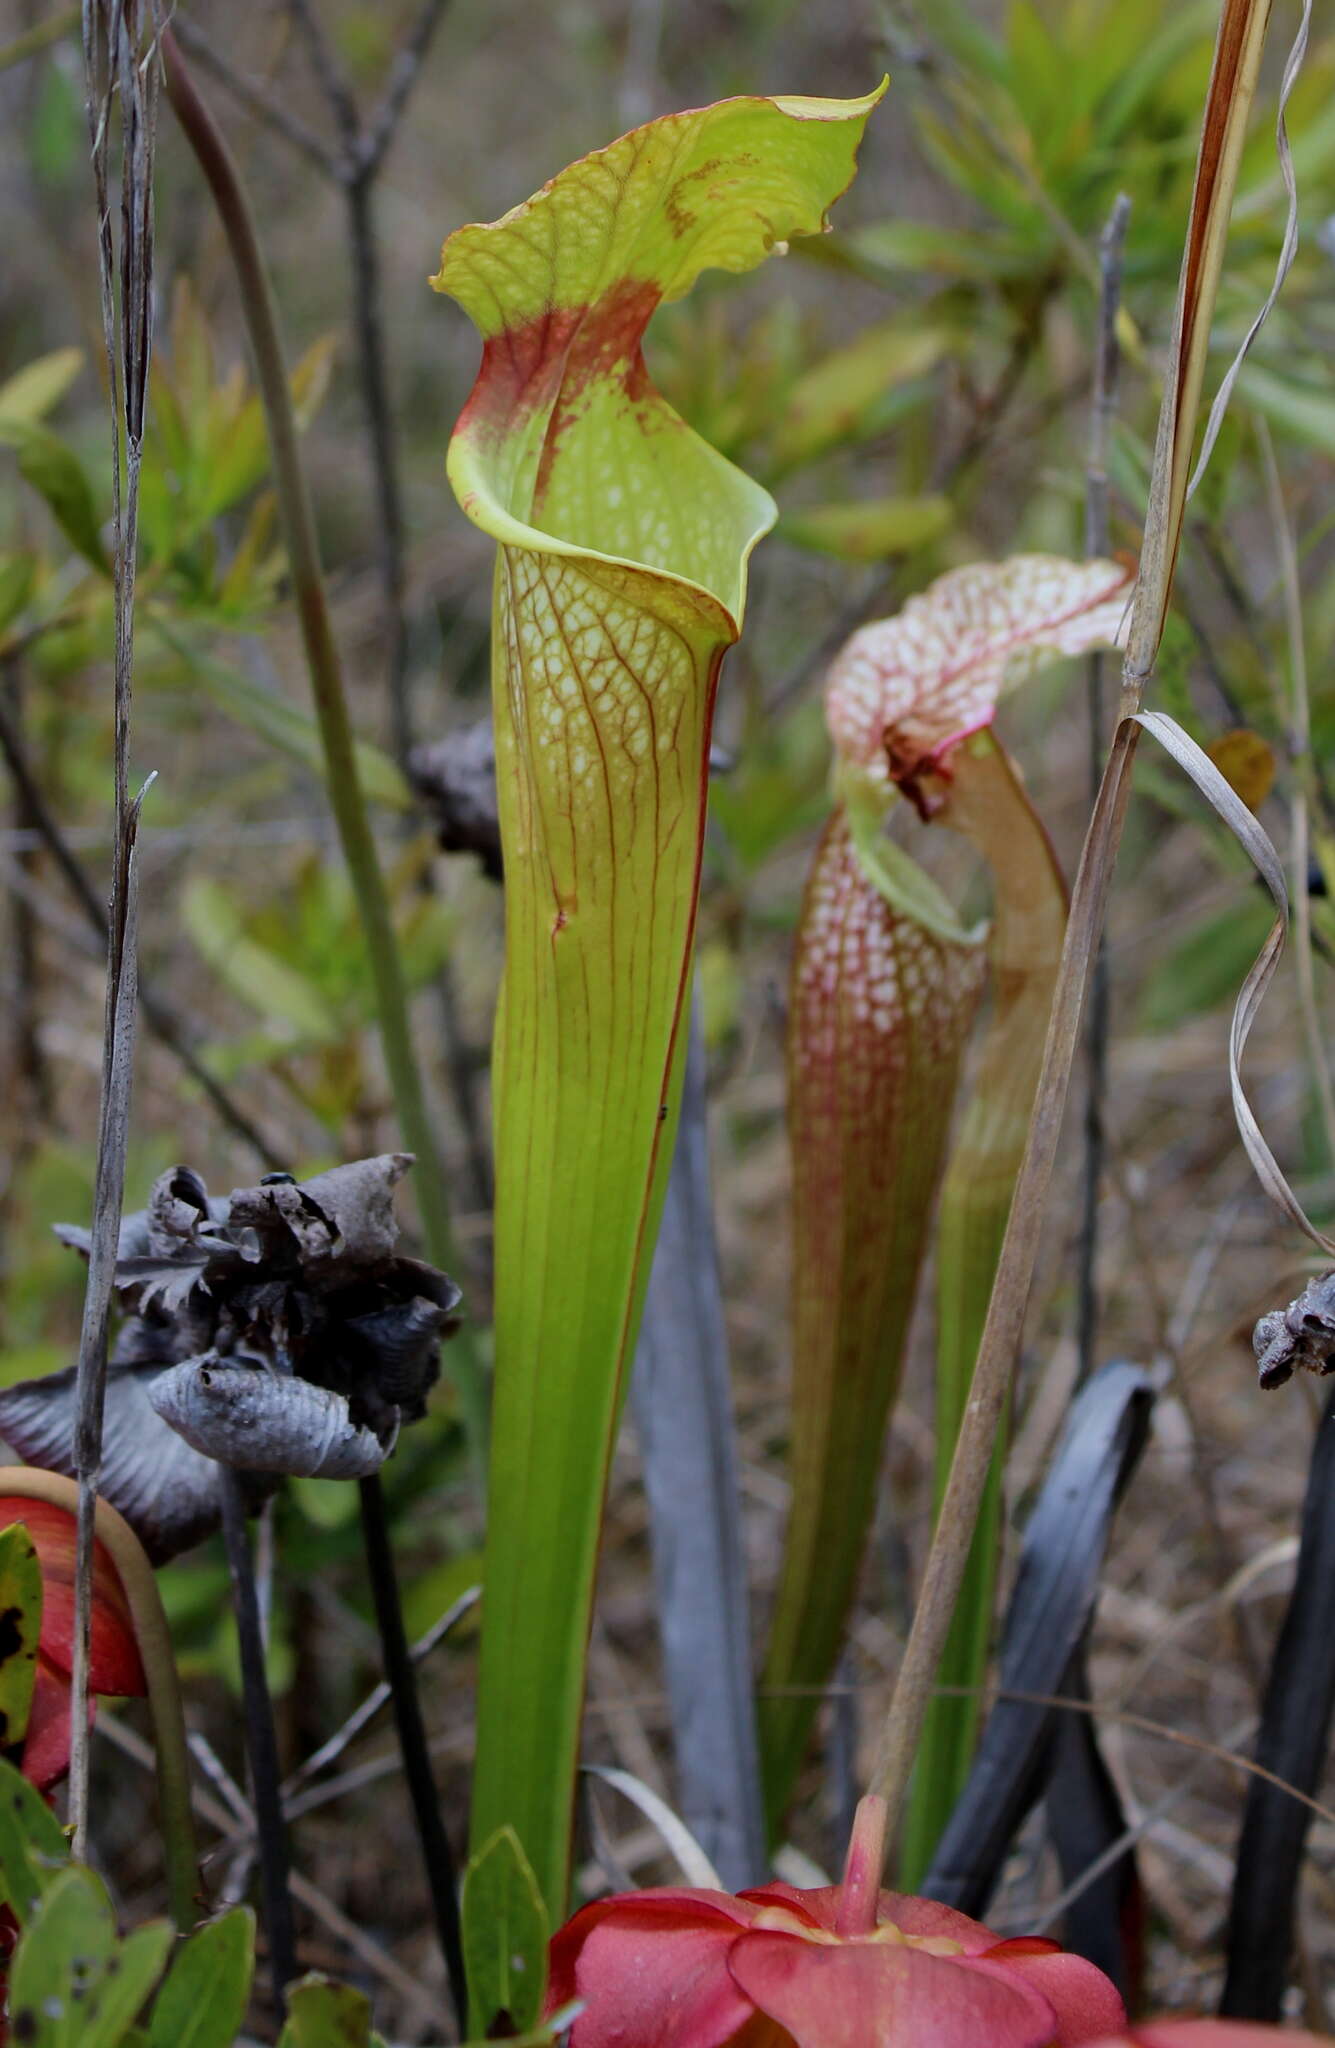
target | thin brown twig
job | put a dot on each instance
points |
(376, 1959)
(160, 1019)
(328, 71)
(258, 100)
(380, 130)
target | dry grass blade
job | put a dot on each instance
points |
(691, 1859)
(1255, 842)
(1237, 63)
(119, 58)
(1288, 248)
(1228, 102)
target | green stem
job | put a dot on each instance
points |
(153, 1637)
(34, 40)
(322, 660)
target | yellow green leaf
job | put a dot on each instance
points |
(620, 583)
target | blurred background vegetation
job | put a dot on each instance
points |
(914, 388)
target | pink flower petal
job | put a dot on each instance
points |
(1209, 2034)
(1087, 2003)
(815, 1908)
(886, 1995)
(652, 1968)
(921, 1917)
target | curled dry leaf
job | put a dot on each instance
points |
(239, 1413)
(1303, 1334)
(277, 1330)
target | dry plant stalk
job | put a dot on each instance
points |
(119, 59)
(1229, 97)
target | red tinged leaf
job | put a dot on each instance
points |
(879, 1013)
(115, 1667)
(906, 690)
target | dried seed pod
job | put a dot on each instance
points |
(243, 1415)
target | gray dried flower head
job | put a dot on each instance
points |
(277, 1331)
(1303, 1334)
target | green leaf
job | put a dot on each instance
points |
(835, 399)
(896, 876)
(32, 391)
(1205, 970)
(72, 1984)
(323, 2014)
(33, 1847)
(505, 1929)
(624, 540)
(17, 575)
(20, 1627)
(869, 529)
(54, 470)
(285, 726)
(204, 1999)
(261, 978)
(1306, 411)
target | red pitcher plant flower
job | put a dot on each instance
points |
(115, 1666)
(838, 1967)
(1209, 2034)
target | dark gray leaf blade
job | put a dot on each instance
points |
(1055, 1591)
(166, 1491)
(682, 1406)
(1104, 1921)
(1293, 1743)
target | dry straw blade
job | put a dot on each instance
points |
(1228, 104)
(988, 803)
